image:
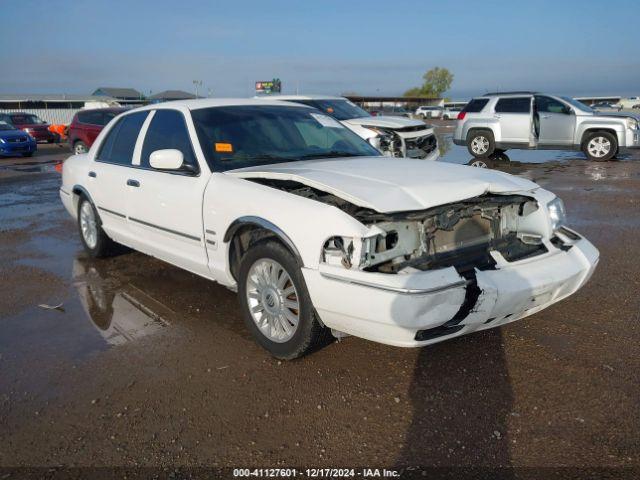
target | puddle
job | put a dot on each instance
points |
(46, 166)
(119, 315)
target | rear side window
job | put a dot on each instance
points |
(90, 118)
(476, 105)
(121, 139)
(168, 130)
(514, 105)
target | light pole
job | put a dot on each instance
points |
(197, 83)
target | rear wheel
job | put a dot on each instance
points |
(480, 143)
(275, 303)
(80, 147)
(600, 146)
(95, 241)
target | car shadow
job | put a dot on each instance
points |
(461, 399)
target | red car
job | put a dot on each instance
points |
(32, 124)
(86, 125)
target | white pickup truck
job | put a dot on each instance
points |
(317, 231)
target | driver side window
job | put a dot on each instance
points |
(168, 130)
(550, 105)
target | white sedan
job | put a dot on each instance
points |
(318, 232)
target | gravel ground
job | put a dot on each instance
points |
(147, 365)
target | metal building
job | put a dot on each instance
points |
(54, 109)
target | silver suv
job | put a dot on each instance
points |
(529, 120)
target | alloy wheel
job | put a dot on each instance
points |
(79, 149)
(599, 147)
(88, 225)
(273, 300)
(480, 145)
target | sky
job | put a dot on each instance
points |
(328, 47)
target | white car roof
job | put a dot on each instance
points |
(215, 102)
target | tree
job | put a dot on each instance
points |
(436, 82)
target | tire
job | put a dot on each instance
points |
(262, 302)
(94, 240)
(445, 117)
(600, 146)
(480, 143)
(80, 147)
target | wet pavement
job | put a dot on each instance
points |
(143, 364)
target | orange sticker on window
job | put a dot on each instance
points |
(224, 147)
(330, 109)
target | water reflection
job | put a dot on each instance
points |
(120, 314)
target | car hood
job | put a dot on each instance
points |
(617, 115)
(385, 122)
(12, 133)
(392, 185)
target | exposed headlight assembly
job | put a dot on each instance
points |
(632, 123)
(338, 251)
(383, 141)
(557, 213)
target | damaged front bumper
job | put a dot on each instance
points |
(426, 307)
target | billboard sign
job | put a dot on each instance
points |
(270, 86)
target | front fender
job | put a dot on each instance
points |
(613, 125)
(301, 223)
(260, 222)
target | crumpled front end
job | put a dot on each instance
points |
(422, 277)
(394, 138)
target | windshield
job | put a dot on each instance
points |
(245, 136)
(6, 126)
(579, 105)
(26, 119)
(341, 109)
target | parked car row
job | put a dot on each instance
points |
(325, 235)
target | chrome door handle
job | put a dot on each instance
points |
(93, 174)
(496, 116)
(133, 183)
(546, 116)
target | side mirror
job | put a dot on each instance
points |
(568, 111)
(169, 159)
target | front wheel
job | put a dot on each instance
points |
(275, 303)
(480, 144)
(600, 146)
(95, 241)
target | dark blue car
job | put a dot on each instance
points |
(15, 142)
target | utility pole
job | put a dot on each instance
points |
(197, 83)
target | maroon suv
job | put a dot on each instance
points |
(86, 125)
(32, 124)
